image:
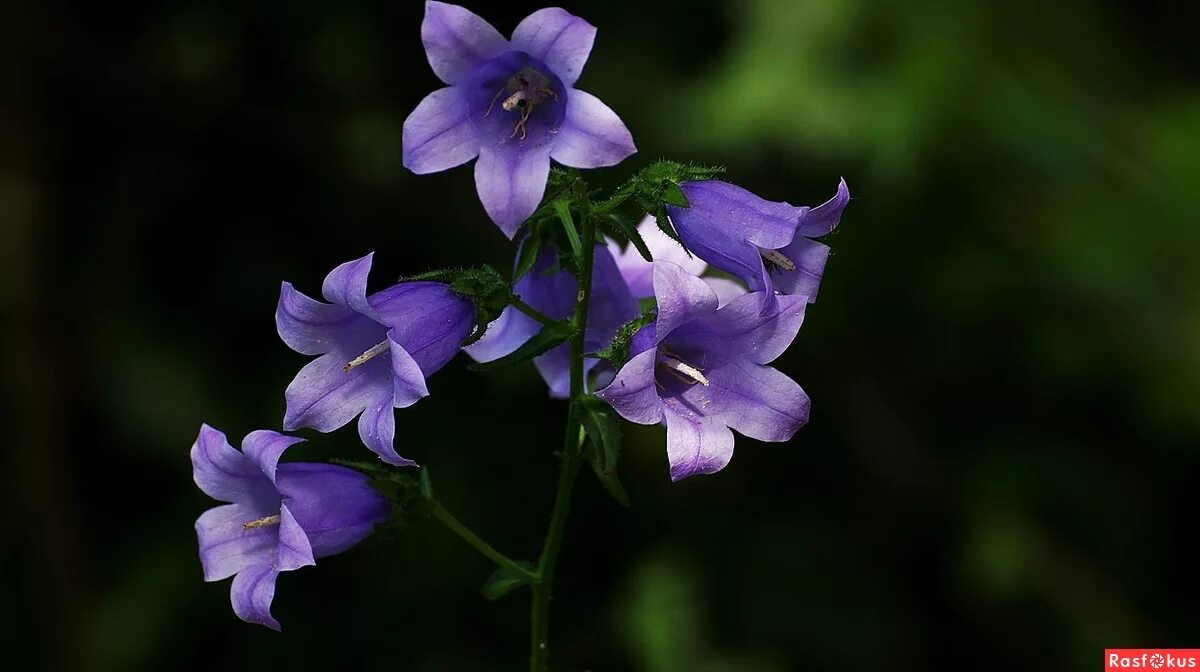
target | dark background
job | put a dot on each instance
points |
(1005, 359)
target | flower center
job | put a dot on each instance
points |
(775, 260)
(681, 369)
(372, 353)
(261, 522)
(523, 92)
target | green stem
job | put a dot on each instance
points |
(536, 314)
(539, 636)
(480, 545)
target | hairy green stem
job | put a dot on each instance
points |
(480, 545)
(539, 636)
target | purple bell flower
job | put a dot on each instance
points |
(280, 517)
(555, 295)
(767, 244)
(639, 273)
(375, 351)
(513, 104)
(703, 371)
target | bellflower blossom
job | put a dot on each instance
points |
(555, 294)
(279, 517)
(765, 243)
(375, 351)
(513, 104)
(639, 273)
(702, 370)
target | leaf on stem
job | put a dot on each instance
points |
(502, 582)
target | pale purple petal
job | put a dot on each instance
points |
(252, 592)
(324, 397)
(346, 285)
(309, 326)
(639, 273)
(560, 39)
(457, 41)
(227, 546)
(758, 401)
(592, 135)
(727, 290)
(633, 392)
(740, 330)
(681, 297)
(408, 379)
(294, 549)
(377, 429)
(504, 335)
(439, 134)
(809, 256)
(224, 473)
(264, 447)
(334, 505)
(427, 320)
(696, 444)
(824, 218)
(511, 182)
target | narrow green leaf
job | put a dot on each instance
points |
(426, 482)
(603, 429)
(564, 215)
(502, 582)
(547, 338)
(627, 230)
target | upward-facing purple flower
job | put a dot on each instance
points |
(555, 294)
(280, 517)
(767, 244)
(513, 104)
(703, 370)
(375, 351)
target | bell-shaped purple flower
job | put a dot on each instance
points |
(279, 517)
(375, 351)
(702, 370)
(555, 294)
(513, 104)
(765, 243)
(639, 273)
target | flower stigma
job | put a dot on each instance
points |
(367, 356)
(261, 522)
(682, 370)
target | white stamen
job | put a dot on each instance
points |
(777, 258)
(261, 522)
(687, 372)
(367, 356)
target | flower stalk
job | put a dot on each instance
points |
(475, 542)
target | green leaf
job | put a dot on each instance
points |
(563, 210)
(426, 483)
(549, 337)
(502, 582)
(625, 230)
(603, 429)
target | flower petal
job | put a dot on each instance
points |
(559, 39)
(408, 380)
(633, 393)
(824, 218)
(427, 320)
(346, 285)
(740, 330)
(335, 506)
(252, 593)
(758, 401)
(696, 444)
(681, 297)
(457, 41)
(439, 133)
(224, 473)
(809, 256)
(264, 447)
(227, 546)
(511, 182)
(639, 273)
(727, 290)
(324, 397)
(592, 135)
(294, 549)
(377, 429)
(504, 335)
(309, 326)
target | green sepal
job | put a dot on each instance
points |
(502, 582)
(617, 352)
(549, 337)
(602, 427)
(625, 231)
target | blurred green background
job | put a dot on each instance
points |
(1005, 359)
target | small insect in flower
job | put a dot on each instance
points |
(526, 90)
(776, 261)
